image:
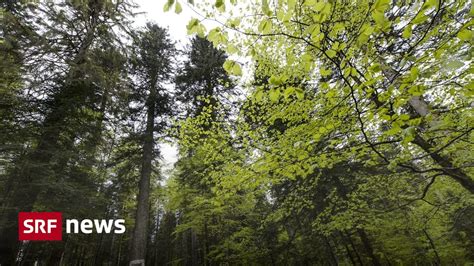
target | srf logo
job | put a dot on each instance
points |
(42, 226)
(48, 226)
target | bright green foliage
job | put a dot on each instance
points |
(233, 68)
(357, 129)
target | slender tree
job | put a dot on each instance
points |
(152, 67)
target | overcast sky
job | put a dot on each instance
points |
(175, 23)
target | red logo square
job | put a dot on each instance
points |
(40, 226)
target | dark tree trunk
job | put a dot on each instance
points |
(194, 249)
(206, 244)
(354, 248)
(368, 247)
(349, 254)
(331, 252)
(139, 241)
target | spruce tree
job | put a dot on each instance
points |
(152, 67)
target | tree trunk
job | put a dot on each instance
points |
(331, 253)
(368, 247)
(194, 248)
(139, 240)
(349, 254)
(354, 248)
(206, 244)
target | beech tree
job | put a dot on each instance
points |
(373, 94)
(385, 64)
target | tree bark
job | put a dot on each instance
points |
(354, 248)
(139, 241)
(331, 253)
(349, 254)
(368, 247)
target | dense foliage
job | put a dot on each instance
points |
(309, 132)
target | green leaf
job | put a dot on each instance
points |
(407, 32)
(465, 34)
(177, 8)
(415, 90)
(346, 72)
(367, 30)
(231, 49)
(192, 23)
(331, 53)
(381, 5)
(299, 93)
(454, 64)
(404, 117)
(379, 18)
(318, 6)
(275, 80)
(220, 5)
(291, 4)
(393, 131)
(259, 95)
(420, 18)
(431, 3)
(232, 68)
(166, 7)
(315, 33)
(265, 26)
(338, 27)
(326, 9)
(274, 94)
(414, 71)
(214, 36)
(194, 26)
(233, 23)
(324, 72)
(289, 91)
(236, 70)
(408, 135)
(353, 71)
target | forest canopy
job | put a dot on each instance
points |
(308, 132)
